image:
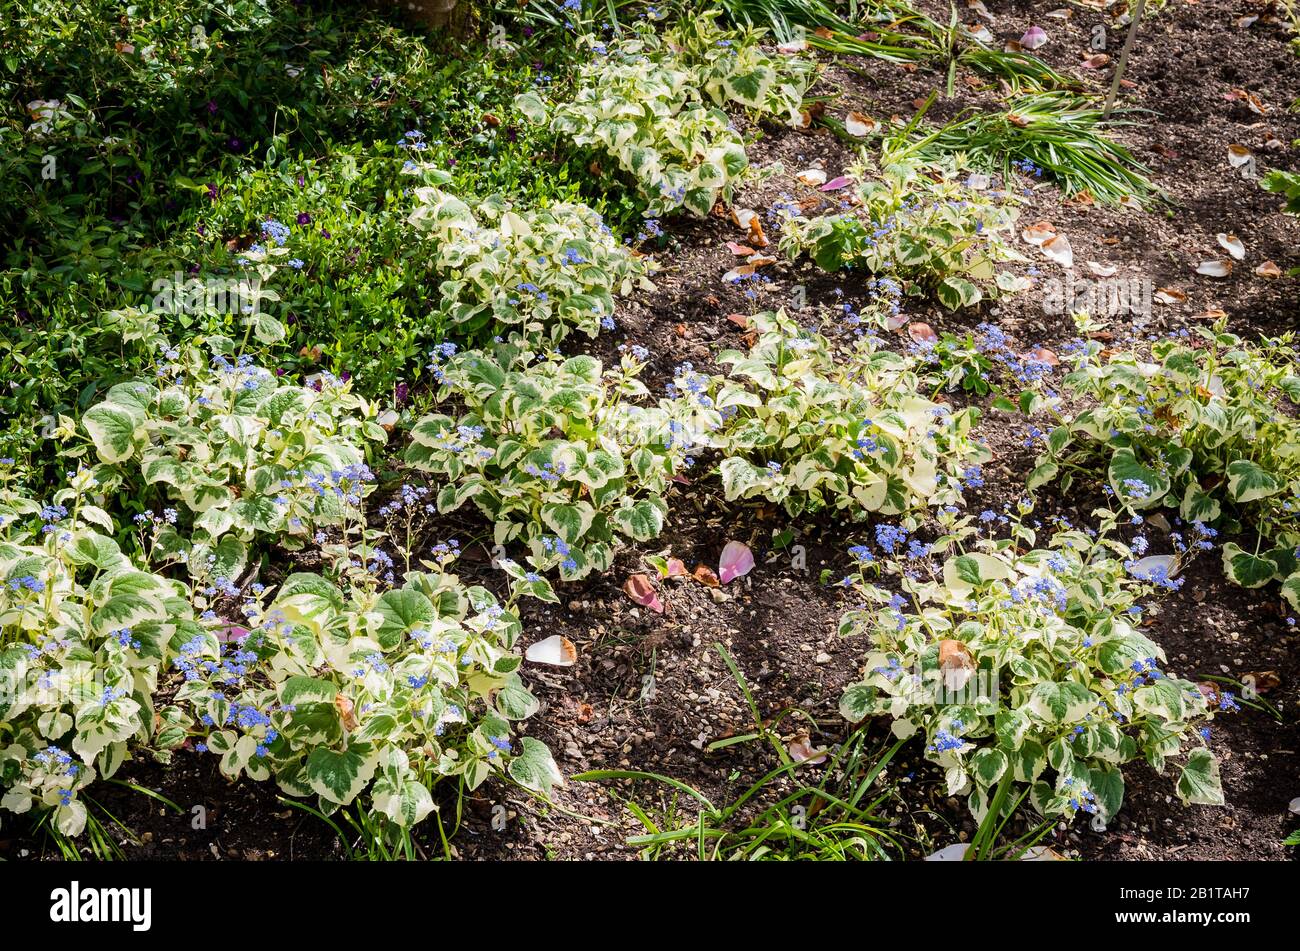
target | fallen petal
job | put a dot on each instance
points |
(922, 333)
(1058, 249)
(642, 591)
(1038, 233)
(801, 751)
(1232, 244)
(859, 125)
(556, 650)
(736, 561)
(1034, 37)
(1238, 155)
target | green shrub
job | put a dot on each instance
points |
(84, 630)
(1024, 665)
(1206, 426)
(337, 694)
(233, 453)
(800, 428)
(924, 225)
(654, 105)
(555, 452)
(543, 273)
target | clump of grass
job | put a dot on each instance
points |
(900, 34)
(838, 818)
(1058, 132)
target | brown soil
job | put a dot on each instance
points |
(650, 691)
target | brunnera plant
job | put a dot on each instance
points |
(653, 107)
(732, 67)
(232, 451)
(1022, 665)
(554, 451)
(933, 227)
(341, 694)
(805, 430)
(84, 631)
(1206, 425)
(543, 273)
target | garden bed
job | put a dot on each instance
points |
(651, 691)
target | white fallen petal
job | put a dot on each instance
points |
(1232, 244)
(555, 650)
(812, 176)
(1039, 233)
(1058, 249)
(1214, 268)
(859, 125)
(1102, 270)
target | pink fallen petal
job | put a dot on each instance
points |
(1042, 355)
(1034, 37)
(231, 632)
(677, 568)
(922, 333)
(835, 184)
(640, 590)
(736, 562)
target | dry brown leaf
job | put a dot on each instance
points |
(706, 576)
(955, 663)
(346, 711)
